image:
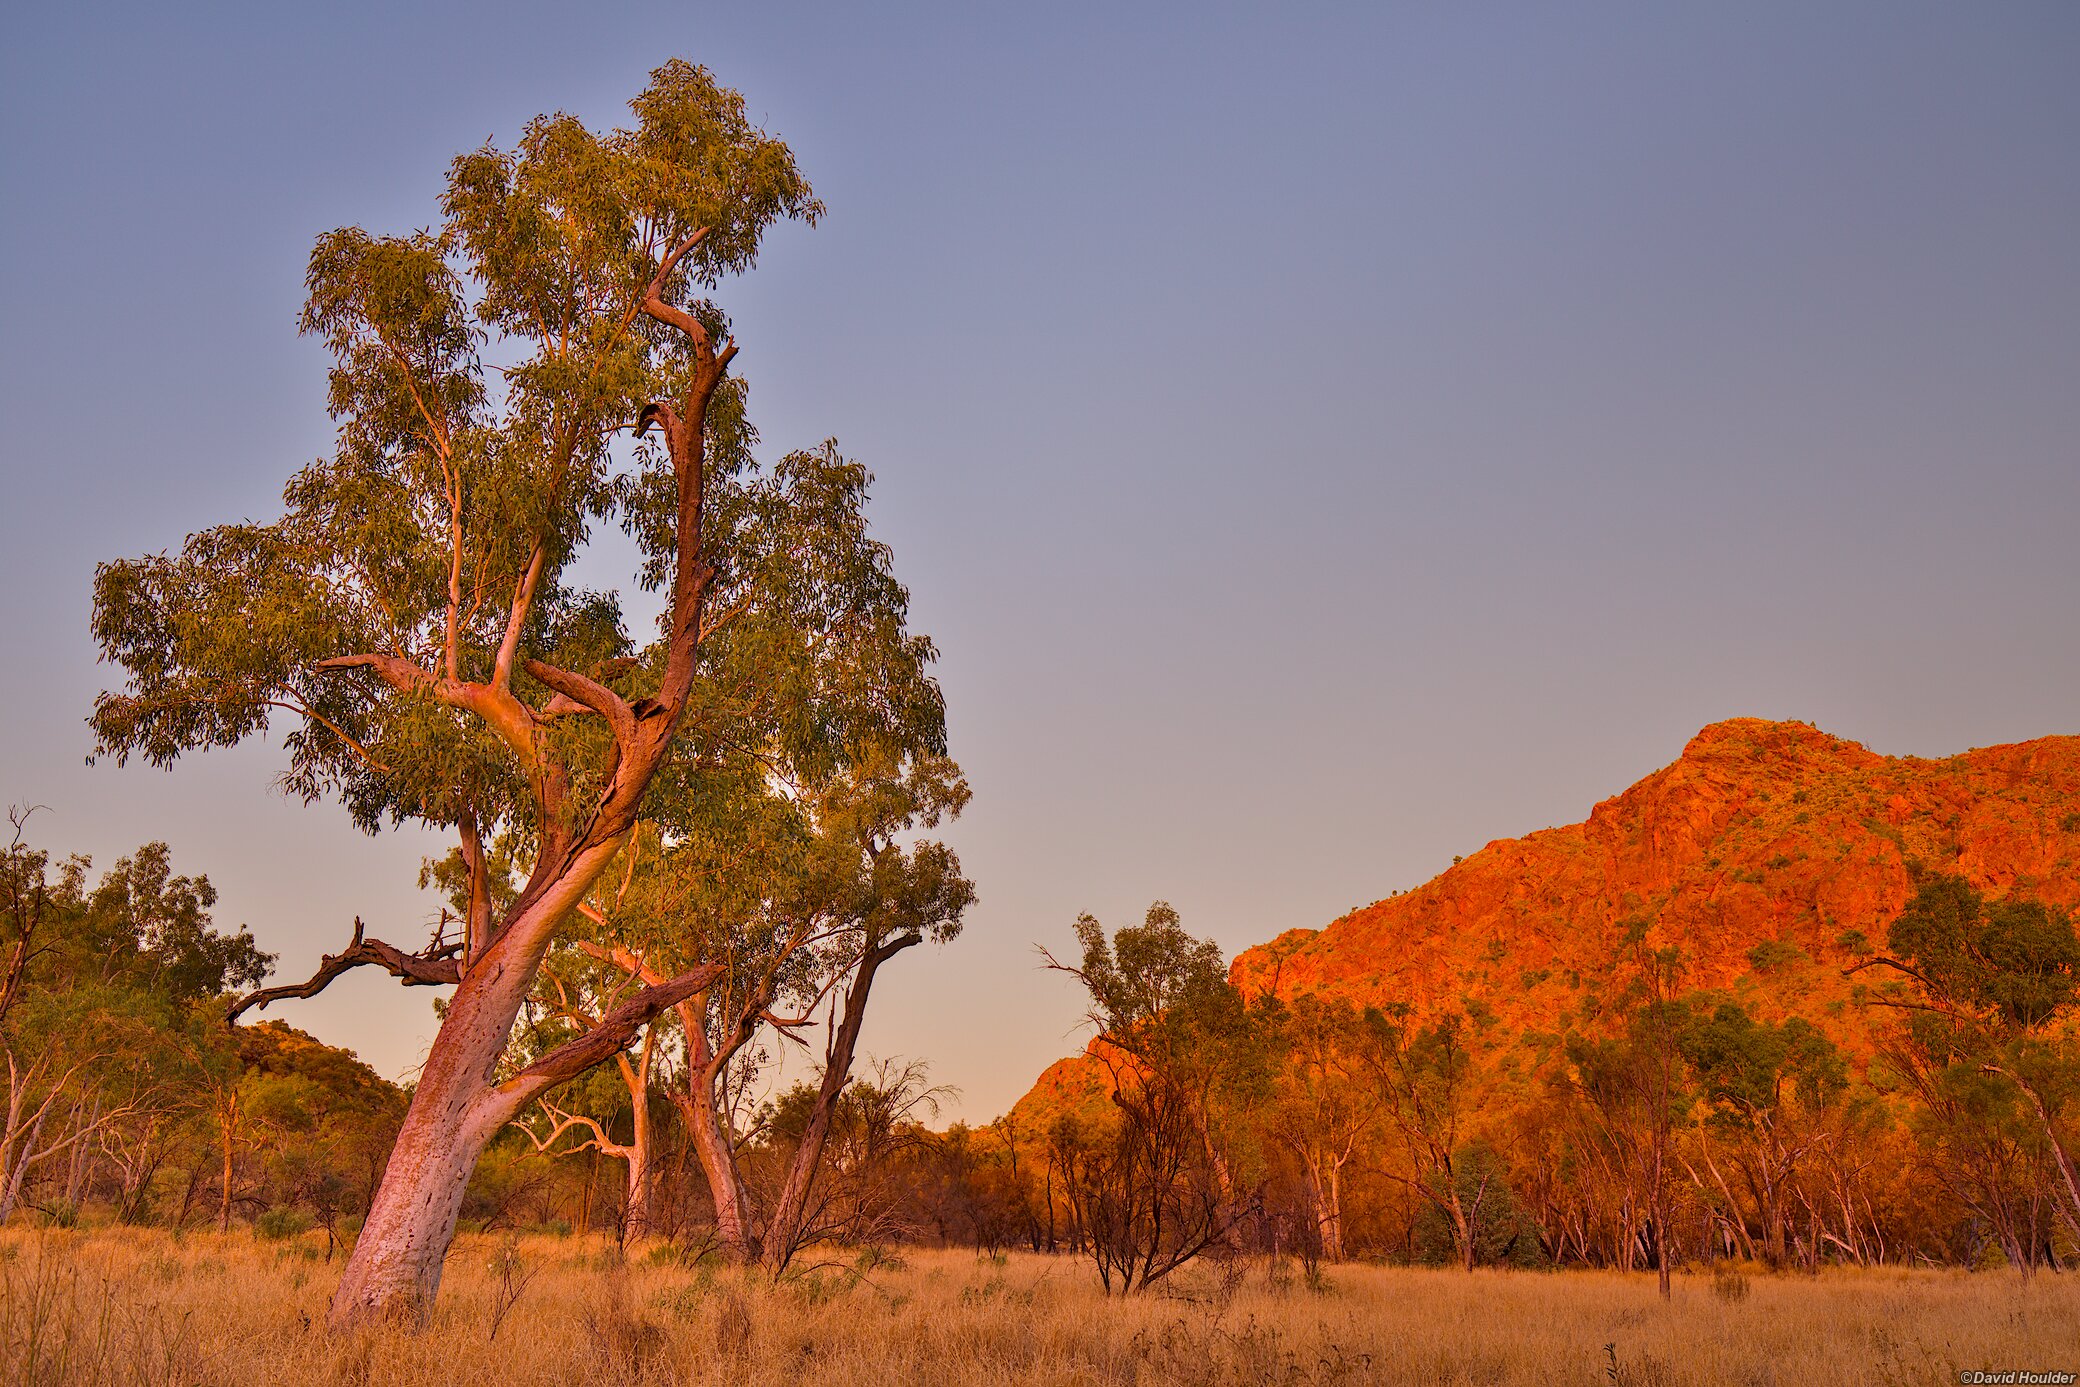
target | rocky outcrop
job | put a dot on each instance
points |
(1770, 854)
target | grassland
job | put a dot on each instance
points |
(123, 1307)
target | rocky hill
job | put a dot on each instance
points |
(1768, 854)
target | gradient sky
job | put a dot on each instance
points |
(1321, 439)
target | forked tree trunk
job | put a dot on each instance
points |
(735, 1230)
(395, 1269)
(1327, 1177)
(1462, 1230)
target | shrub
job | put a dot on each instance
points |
(1772, 954)
(279, 1225)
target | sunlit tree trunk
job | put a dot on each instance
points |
(638, 1217)
(11, 1183)
(395, 1269)
(735, 1231)
(638, 1222)
(228, 1141)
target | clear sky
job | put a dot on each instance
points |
(1322, 439)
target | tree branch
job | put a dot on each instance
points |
(516, 620)
(589, 693)
(495, 704)
(654, 306)
(399, 673)
(563, 1122)
(434, 968)
(671, 262)
(616, 1030)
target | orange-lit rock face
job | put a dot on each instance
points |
(1756, 854)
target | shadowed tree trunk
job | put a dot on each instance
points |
(785, 1231)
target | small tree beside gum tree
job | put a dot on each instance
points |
(1325, 1106)
(1423, 1074)
(573, 999)
(1765, 1088)
(100, 985)
(410, 613)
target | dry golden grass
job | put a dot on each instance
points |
(120, 1306)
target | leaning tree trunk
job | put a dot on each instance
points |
(459, 1105)
(786, 1230)
(395, 1269)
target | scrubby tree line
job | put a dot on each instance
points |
(1684, 1129)
(135, 1096)
(126, 1091)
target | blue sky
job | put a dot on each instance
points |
(1322, 439)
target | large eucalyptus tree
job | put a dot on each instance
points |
(409, 624)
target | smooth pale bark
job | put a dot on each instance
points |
(637, 1155)
(11, 1191)
(395, 1268)
(735, 1213)
(19, 1142)
(1325, 1178)
(638, 1221)
(1462, 1229)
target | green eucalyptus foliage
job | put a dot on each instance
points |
(140, 931)
(1503, 1232)
(1746, 1068)
(488, 374)
(2016, 959)
(1154, 974)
